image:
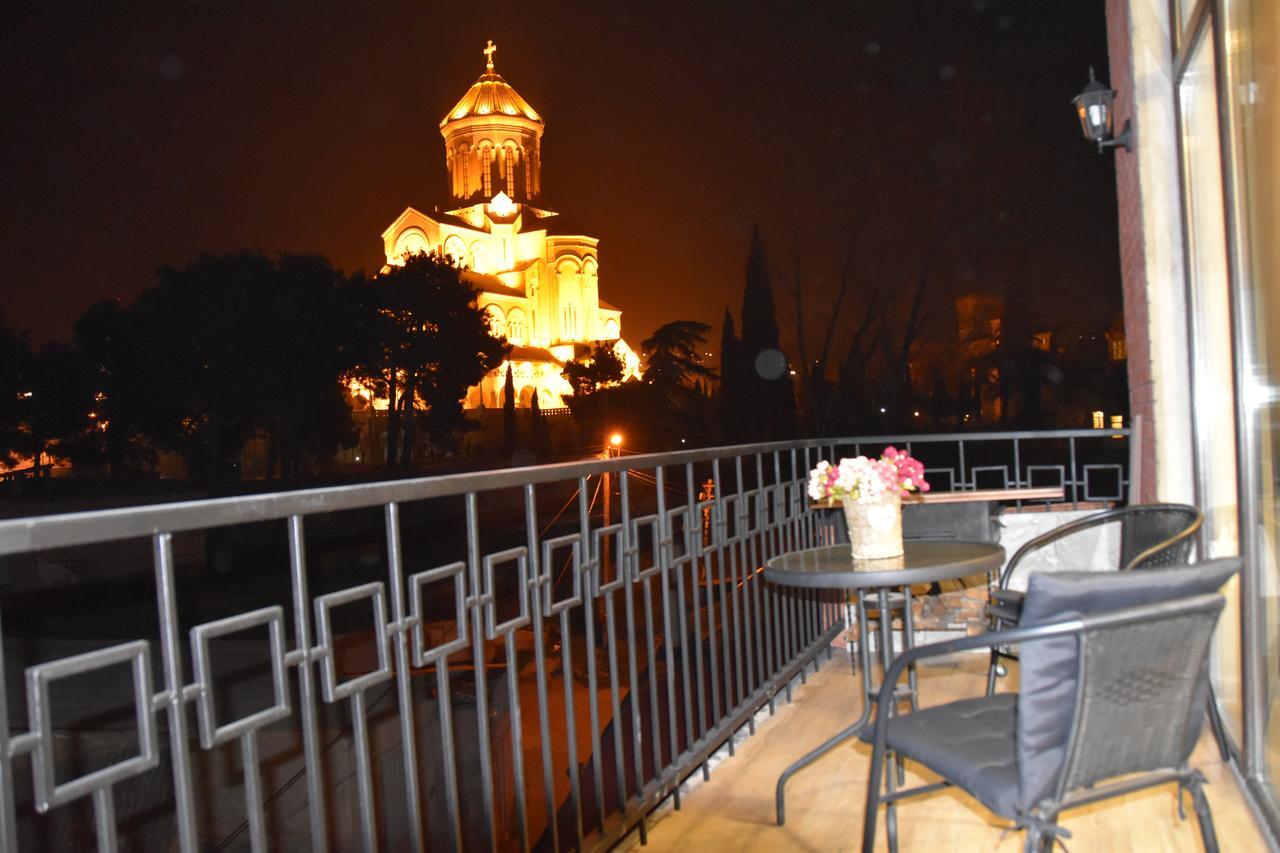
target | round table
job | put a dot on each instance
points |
(924, 561)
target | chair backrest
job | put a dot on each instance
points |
(1122, 696)
(1154, 535)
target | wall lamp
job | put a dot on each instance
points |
(1094, 106)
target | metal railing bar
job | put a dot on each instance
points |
(478, 656)
(537, 572)
(8, 749)
(253, 791)
(517, 739)
(697, 572)
(171, 653)
(364, 771)
(690, 559)
(630, 569)
(664, 555)
(615, 703)
(404, 688)
(571, 737)
(104, 818)
(306, 685)
(593, 685)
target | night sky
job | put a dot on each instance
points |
(143, 134)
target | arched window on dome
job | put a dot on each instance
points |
(464, 163)
(497, 321)
(486, 169)
(478, 260)
(509, 166)
(517, 328)
(456, 249)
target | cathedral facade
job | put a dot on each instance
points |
(539, 283)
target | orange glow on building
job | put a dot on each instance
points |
(540, 290)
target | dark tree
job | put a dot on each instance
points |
(57, 407)
(15, 355)
(730, 399)
(202, 341)
(106, 338)
(509, 431)
(768, 400)
(674, 354)
(424, 343)
(603, 367)
(305, 410)
(540, 438)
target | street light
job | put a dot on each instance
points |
(616, 439)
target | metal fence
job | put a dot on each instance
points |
(523, 659)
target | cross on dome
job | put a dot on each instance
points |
(488, 52)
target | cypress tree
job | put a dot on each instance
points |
(509, 411)
(730, 379)
(767, 399)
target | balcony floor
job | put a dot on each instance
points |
(735, 810)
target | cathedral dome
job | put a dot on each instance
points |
(491, 141)
(491, 96)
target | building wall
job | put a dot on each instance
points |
(1151, 245)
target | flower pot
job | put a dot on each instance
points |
(875, 530)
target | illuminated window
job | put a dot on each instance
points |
(464, 156)
(486, 170)
(497, 322)
(1117, 421)
(1098, 420)
(509, 166)
(454, 248)
(517, 332)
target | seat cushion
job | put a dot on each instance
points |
(969, 743)
(1048, 674)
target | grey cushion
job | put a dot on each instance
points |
(1047, 678)
(969, 743)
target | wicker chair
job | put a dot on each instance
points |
(1114, 681)
(1151, 535)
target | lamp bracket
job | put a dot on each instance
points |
(1127, 139)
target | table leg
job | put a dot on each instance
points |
(864, 646)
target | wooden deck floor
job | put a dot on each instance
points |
(734, 810)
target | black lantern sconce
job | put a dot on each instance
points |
(1094, 106)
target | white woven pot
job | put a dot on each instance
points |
(875, 530)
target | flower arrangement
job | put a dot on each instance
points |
(867, 481)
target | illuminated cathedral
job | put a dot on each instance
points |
(540, 289)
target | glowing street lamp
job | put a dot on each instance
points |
(616, 439)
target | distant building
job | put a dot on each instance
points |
(539, 279)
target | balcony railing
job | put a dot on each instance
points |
(525, 659)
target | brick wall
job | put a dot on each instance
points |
(1132, 251)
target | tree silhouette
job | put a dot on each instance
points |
(602, 368)
(15, 354)
(509, 436)
(674, 354)
(423, 342)
(767, 400)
